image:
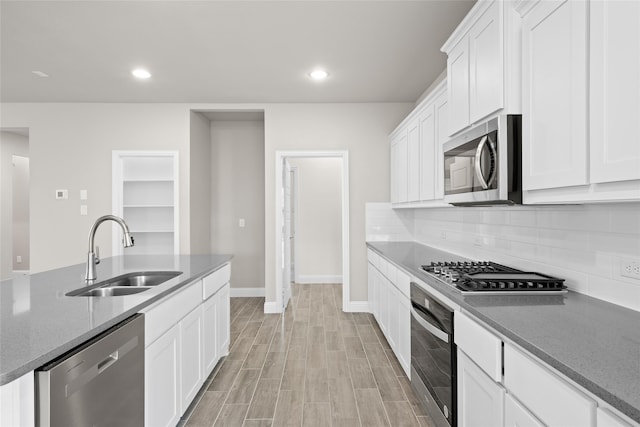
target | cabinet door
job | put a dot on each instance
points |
(383, 288)
(162, 380)
(191, 352)
(554, 95)
(393, 329)
(486, 64)
(615, 90)
(404, 334)
(458, 86)
(393, 175)
(480, 400)
(428, 158)
(372, 289)
(441, 107)
(401, 168)
(209, 340)
(413, 161)
(516, 415)
(223, 321)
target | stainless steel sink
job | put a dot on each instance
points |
(126, 284)
(143, 278)
(111, 292)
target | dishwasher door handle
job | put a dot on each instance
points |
(441, 335)
(110, 360)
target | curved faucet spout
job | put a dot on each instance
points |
(92, 257)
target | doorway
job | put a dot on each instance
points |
(285, 220)
(14, 210)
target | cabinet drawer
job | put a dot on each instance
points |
(551, 399)
(484, 348)
(163, 316)
(216, 280)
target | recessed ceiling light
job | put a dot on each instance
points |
(141, 73)
(318, 74)
(40, 73)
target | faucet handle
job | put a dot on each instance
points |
(97, 255)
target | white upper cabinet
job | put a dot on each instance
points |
(486, 64)
(427, 120)
(413, 161)
(615, 90)
(458, 86)
(483, 63)
(416, 153)
(555, 95)
(581, 101)
(399, 181)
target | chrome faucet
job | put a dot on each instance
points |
(93, 257)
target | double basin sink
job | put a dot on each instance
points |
(126, 284)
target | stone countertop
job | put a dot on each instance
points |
(594, 343)
(39, 323)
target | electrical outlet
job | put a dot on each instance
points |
(443, 235)
(477, 241)
(19, 259)
(630, 268)
(241, 222)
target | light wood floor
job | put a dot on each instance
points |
(312, 366)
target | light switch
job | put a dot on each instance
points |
(83, 194)
(83, 210)
(241, 222)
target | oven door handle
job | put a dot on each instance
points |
(441, 335)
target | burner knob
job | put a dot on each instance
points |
(454, 276)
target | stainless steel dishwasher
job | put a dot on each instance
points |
(99, 383)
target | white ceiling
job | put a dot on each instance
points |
(223, 51)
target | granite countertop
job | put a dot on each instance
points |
(39, 323)
(594, 343)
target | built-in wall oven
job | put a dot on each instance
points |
(433, 356)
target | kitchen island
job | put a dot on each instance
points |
(39, 322)
(593, 343)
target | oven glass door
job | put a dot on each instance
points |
(472, 166)
(432, 357)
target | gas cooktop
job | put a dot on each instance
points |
(485, 277)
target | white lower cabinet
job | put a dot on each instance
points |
(390, 304)
(191, 356)
(17, 402)
(516, 415)
(223, 321)
(551, 399)
(185, 338)
(480, 399)
(162, 380)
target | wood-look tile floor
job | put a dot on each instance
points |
(311, 366)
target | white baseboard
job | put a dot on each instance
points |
(271, 307)
(247, 292)
(358, 307)
(319, 279)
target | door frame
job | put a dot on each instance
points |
(279, 223)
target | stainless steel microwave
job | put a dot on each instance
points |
(483, 166)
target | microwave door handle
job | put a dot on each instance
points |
(478, 166)
(441, 335)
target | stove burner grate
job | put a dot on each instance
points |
(488, 276)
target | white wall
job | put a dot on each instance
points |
(71, 144)
(237, 173)
(361, 129)
(70, 148)
(10, 144)
(319, 220)
(583, 244)
(200, 184)
(20, 213)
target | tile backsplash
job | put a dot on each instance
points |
(586, 245)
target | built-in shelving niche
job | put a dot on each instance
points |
(145, 194)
